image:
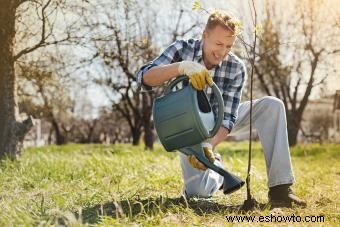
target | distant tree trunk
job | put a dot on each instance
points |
(293, 128)
(49, 140)
(58, 136)
(11, 131)
(91, 126)
(147, 123)
(136, 137)
(148, 134)
(129, 109)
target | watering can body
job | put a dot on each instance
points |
(183, 123)
(184, 118)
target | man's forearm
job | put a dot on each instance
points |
(159, 74)
(220, 136)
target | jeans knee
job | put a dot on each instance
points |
(273, 103)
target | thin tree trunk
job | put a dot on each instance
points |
(90, 135)
(49, 140)
(12, 132)
(292, 135)
(293, 127)
(147, 123)
(148, 135)
(136, 137)
(58, 136)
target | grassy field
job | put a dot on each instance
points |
(123, 185)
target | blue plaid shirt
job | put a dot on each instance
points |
(229, 75)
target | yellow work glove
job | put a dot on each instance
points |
(208, 152)
(197, 73)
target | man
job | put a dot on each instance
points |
(198, 59)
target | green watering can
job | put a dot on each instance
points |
(184, 119)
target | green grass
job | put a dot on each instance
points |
(124, 185)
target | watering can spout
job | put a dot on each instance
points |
(231, 183)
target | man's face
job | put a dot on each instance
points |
(217, 43)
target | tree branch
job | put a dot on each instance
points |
(42, 41)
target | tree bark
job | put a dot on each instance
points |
(147, 123)
(293, 127)
(292, 134)
(91, 127)
(135, 137)
(58, 136)
(12, 132)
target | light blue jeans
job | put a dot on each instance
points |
(269, 120)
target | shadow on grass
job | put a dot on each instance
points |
(134, 208)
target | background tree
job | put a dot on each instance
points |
(295, 60)
(43, 95)
(131, 39)
(37, 32)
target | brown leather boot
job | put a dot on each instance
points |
(283, 196)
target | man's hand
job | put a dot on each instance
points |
(197, 73)
(208, 152)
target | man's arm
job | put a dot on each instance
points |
(172, 63)
(231, 96)
(161, 69)
(159, 74)
(220, 136)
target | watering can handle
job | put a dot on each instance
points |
(218, 96)
(220, 111)
(173, 83)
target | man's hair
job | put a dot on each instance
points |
(223, 19)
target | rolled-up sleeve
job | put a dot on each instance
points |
(170, 55)
(232, 96)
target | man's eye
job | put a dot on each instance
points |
(219, 44)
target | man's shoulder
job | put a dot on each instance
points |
(188, 43)
(234, 59)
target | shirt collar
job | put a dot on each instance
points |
(199, 54)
